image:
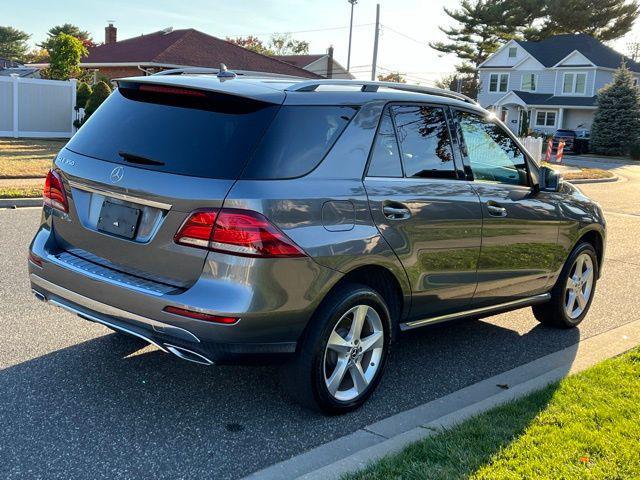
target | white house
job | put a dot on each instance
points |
(554, 81)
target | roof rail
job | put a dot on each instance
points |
(371, 86)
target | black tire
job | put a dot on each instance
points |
(553, 313)
(303, 378)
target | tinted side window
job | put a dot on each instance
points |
(297, 141)
(385, 158)
(493, 155)
(424, 140)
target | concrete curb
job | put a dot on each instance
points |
(20, 202)
(615, 178)
(392, 434)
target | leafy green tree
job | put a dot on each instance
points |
(13, 43)
(65, 53)
(101, 92)
(251, 43)
(286, 45)
(82, 94)
(396, 77)
(616, 125)
(69, 29)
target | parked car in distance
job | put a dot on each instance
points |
(308, 222)
(576, 141)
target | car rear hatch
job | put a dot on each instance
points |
(151, 154)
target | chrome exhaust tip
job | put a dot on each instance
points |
(38, 295)
(188, 355)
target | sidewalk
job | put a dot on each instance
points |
(358, 449)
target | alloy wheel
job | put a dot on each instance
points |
(579, 286)
(354, 353)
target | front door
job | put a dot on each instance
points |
(520, 226)
(427, 212)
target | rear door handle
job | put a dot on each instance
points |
(397, 212)
(496, 210)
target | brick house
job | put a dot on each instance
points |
(170, 48)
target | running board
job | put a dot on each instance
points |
(522, 302)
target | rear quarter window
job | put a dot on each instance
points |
(297, 140)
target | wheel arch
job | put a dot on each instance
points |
(596, 239)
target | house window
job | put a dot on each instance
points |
(574, 83)
(513, 51)
(498, 82)
(529, 82)
(545, 119)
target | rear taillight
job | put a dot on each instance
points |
(201, 316)
(54, 195)
(240, 232)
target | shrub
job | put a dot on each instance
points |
(634, 151)
(100, 93)
(82, 95)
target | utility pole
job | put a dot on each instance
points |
(352, 2)
(375, 44)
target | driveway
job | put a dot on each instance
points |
(77, 401)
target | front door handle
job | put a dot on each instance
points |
(496, 210)
(396, 212)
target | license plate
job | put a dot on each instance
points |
(118, 220)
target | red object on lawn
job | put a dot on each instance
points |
(547, 157)
(560, 151)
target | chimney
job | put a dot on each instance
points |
(110, 34)
(330, 63)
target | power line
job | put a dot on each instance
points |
(423, 43)
(324, 29)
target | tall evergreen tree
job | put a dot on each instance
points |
(603, 19)
(483, 25)
(616, 125)
(13, 43)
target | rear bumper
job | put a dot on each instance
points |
(273, 310)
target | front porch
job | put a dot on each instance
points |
(545, 118)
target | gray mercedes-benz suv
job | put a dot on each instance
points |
(230, 219)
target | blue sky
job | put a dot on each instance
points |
(407, 25)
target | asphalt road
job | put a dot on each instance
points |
(77, 401)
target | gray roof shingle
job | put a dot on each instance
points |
(553, 100)
(553, 49)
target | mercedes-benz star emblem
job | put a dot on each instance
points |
(116, 174)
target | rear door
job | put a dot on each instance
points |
(520, 225)
(149, 156)
(424, 208)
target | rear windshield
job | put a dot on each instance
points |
(204, 135)
(297, 141)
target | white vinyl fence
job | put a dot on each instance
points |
(31, 107)
(534, 147)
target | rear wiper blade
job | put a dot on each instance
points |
(132, 158)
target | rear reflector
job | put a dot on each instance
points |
(201, 316)
(35, 259)
(53, 194)
(239, 232)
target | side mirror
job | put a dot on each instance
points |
(550, 180)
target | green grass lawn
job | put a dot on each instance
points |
(585, 427)
(21, 191)
(21, 158)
